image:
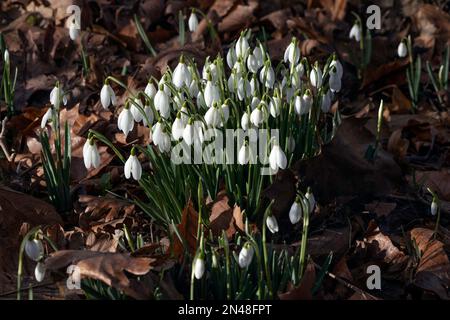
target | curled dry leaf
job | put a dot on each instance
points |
(107, 267)
(223, 217)
(187, 230)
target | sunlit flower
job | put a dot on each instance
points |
(244, 154)
(91, 156)
(295, 213)
(133, 167)
(231, 57)
(292, 52)
(402, 50)
(267, 76)
(245, 120)
(150, 89)
(47, 116)
(211, 94)
(256, 117)
(162, 102)
(178, 127)
(125, 121)
(193, 22)
(244, 89)
(57, 96)
(181, 74)
(303, 104)
(160, 138)
(274, 105)
(246, 255)
(315, 76)
(199, 266)
(355, 32)
(242, 47)
(107, 96)
(212, 116)
(135, 111)
(277, 158)
(272, 224)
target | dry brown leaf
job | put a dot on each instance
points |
(107, 267)
(303, 291)
(381, 209)
(223, 217)
(438, 181)
(401, 103)
(187, 230)
(397, 145)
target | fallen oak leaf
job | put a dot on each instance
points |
(104, 266)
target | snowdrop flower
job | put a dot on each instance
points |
(337, 64)
(311, 200)
(149, 116)
(246, 255)
(244, 89)
(193, 22)
(434, 207)
(201, 100)
(199, 266)
(245, 121)
(178, 127)
(162, 102)
(163, 82)
(91, 156)
(402, 50)
(135, 111)
(133, 166)
(275, 104)
(39, 272)
(326, 102)
(211, 93)
(107, 96)
(47, 116)
(296, 77)
(150, 89)
(256, 117)
(334, 81)
(6, 56)
(211, 69)
(160, 138)
(303, 104)
(224, 113)
(315, 76)
(255, 102)
(231, 57)
(292, 52)
(244, 154)
(212, 116)
(74, 32)
(277, 158)
(178, 101)
(193, 88)
(34, 249)
(57, 96)
(189, 132)
(355, 32)
(255, 60)
(295, 213)
(271, 223)
(125, 121)
(242, 46)
(181, 74)
(231, 82)
(267, 76)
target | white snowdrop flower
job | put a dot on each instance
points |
(326, 102)
(74, 32)
(189, 132)
(177, 128)
(254, 86)
(211, 69)
(246, 255)
(256, 117)
(199, 128)
(212, 116)
(224, 113)
(137, 114)
(292, 52)
(244, 154)
(231, 57)
(402, 50)
(252, 64)
(39, 272)
(125, 121)
(303, 104)
(178, 101)
(157, 133)
(289, 93)
(242, 47)
(311, 200)
(47, 116)
(255, 102)
(161, 102)
(334, 81)
(296, 77)
(245, 120)
(277, 158)
(275, 105)
(355, 32)
(150, 89)
(295, 213)
(315, 76)
(163, 82)
(181, 74)
(434, 207)
(238, 67)
(107, 96)
(6, 56)
(149, 115)
(201, 100)
(337, 64)
(267, 76)
(165, 144)
(184, 114)
(133, 167)
(193, 88)
(199, 266)
(34, 249)
(91, 156)
(57, 96)
(231, 82)
(244, 89)
(272, 224)
(212, 94)
(193, 22)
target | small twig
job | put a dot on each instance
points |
(38, 285)
(2, 141)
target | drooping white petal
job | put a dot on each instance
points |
(177, 128)
(199, 267)
(244, 154)
(211, 94)
(74, 32)
(149, 115)
(125, 121)
(46, 117)
(150, 89)
(311, 200)
(39, 272)
(245, 256)
(295, 212)
(272, 224)
(181, 75)
(188, 134)
(162, 103)
(137, 114)
(277, 158)
(315, 77)
(245, 121)
(212, 117)
(355, 32)
(267, 76)
(193, 22)
(402, 50)
(256, 117)
(105, 96)
(136, 168)
(34, 249)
